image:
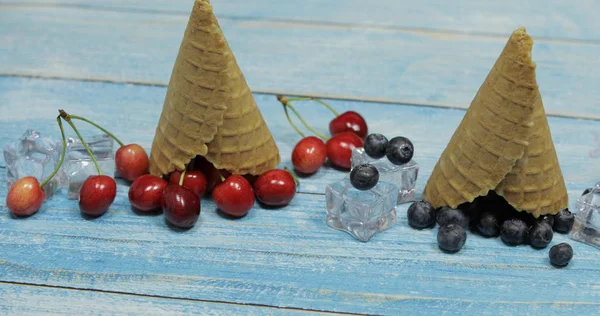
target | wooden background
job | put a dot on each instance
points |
(410, 67)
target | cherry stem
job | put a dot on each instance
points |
(287, 115)
(318, 100)
(99, 127)
(67, 118)
(293, 175)
(304, 122)
(181, 177)
(62, 154)
(220, 175)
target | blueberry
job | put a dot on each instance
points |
(488, 224)
(540, 235)
(375, 145)
(451, 238)
(586, 191)
(400, 150)
(421, 215)
(563, 221)
(548, 219)
(447, 215)
(364, 177)
(560, 254)
(513, 232)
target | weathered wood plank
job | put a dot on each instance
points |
(398, 65)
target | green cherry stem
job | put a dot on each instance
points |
(62, 154)
(293, 175)
(181, 177)
(99, 127)
(304, 122)
(67, 118)
(315, 99)
(287, 115)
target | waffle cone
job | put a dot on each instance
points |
(503, 142)
(209, 109)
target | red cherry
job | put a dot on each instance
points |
(180, 206)
(275, 187)
(131, 161)
(96, 195)
(339, 148)
(349, 122)
(234, 197)
(212, 174)
(193, 180)
(145, 193)
(25, 197)
(309, 155)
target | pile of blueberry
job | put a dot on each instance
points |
(491, 216)
(399, 150)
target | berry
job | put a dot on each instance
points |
(309, 155)
(375, 145)
(364, 177)
(234, 196)
(548, 219)
(145, 193)
(560, 254)
(563, 221)
(193, 180)
(451, 238)
(421, 215)
(131, 161)
(513, 232)
(488, 224)
(96, 195)
(540, 235)
(181, 206)
(25, 197)
(339, 149)
(400, 150)
(586, 191)
(275, 187)
(349, 122)
(210, 172)
(447, 215)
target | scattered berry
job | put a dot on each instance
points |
(275, 187)
(548, 219)
(96, 195)
(234, 196)
(400, 150)
(560, 254)
(364, 177)
(309, 155)
(513, 232)
(193, 180)
(181, 206)
(375, 145)
(563, 221)
(210, 172)
(447, 215)
(488, 224)
(131, 161)
(339, 148)
(145, 193)
(421, 214)
(451, 238)
(540, 235)
(25, 197)
(349, 122)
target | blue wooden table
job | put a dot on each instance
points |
(411, 67)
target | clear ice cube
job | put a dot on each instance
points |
(587, 219)
(33, 155)
(404, 176)
(361, 213)
(78, 164)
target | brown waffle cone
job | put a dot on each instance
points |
(503, 142)
(209, 109)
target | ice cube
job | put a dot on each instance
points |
(33, 155)
(404, 176)
(361, 213)
(587, 219)
(78, 164)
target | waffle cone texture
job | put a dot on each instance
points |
(209, 109)
(503, 142)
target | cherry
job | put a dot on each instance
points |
(210, 172)
(349, 122)
(275, 187)
(145, 193)
(25, 197)
(339, 148)
(234, 196)
(181, 206)
(193, 180)
(96, 195)
(309, 155)
(131, 161)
